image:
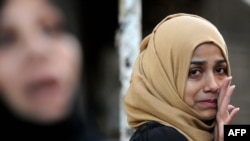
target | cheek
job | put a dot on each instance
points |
(68, 59)
(10, 74)
(11, 82)
(70, 66)
(190, 93)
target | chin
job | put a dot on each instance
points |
(49, 118)
(209, 115)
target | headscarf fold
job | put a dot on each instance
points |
(160, 73)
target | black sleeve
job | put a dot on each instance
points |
(156, 132)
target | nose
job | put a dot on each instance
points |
(212, 84)
(35, 48)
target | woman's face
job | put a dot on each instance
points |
(207, 72)
(39, 61)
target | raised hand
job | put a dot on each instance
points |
(226, 112)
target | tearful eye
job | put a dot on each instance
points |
(221, 70)
(194, 73)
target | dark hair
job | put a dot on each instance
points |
(70, 14)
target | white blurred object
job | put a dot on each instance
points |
(128, 39)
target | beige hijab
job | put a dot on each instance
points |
(160, 74)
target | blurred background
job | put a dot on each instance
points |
(99, 24)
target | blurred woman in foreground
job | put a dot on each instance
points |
(40, 67)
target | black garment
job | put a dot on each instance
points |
(71, 129)
(153, 131)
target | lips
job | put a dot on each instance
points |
(209, 103)
(43, 87)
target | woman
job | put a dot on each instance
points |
(180, 86)
(40, 67)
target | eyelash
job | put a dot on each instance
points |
(221, 68)
(195, 72)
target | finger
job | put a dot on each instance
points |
(233, 114)
(230, 107)
(226, 100)
(227, 97)
(224, 89)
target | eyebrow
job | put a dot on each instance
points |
(221, 61)
(204, 62)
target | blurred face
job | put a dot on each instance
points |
(207, 72)
(39, 61)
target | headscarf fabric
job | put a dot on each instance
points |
(160, 73)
